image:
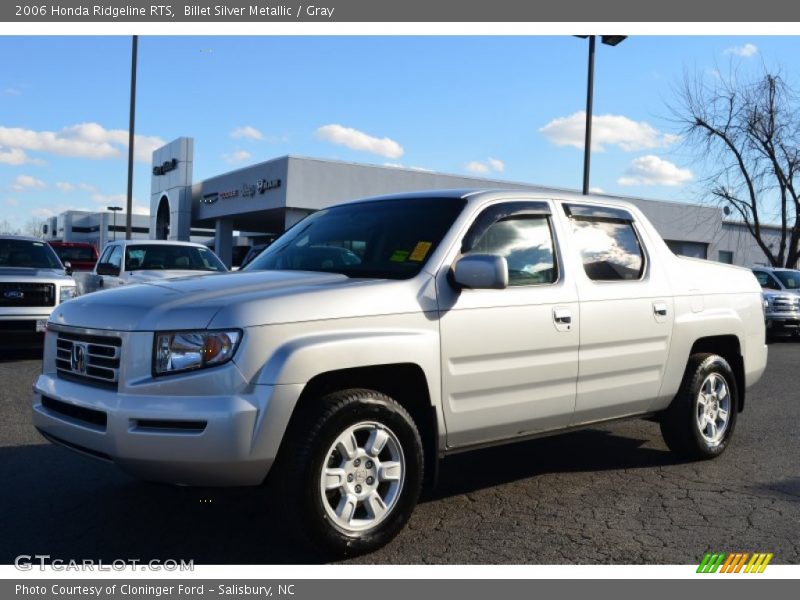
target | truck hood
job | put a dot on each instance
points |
(23, 274)
(243, 299)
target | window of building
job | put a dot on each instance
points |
(726, 256)
(526, 242)
(610, 248)
(690, 249)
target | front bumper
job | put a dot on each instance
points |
(23, 329)
(189, 440)
(789, 321)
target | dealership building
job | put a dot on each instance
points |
(268, 197)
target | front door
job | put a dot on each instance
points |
(510, 356)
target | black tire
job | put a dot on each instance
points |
(306, 453)
(679, 423)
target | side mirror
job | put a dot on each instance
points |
(107, 269)
(68, 267)
(481, 272)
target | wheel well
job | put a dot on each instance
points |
(729, 348)
(404, 382)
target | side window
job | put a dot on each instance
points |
(763, 278)
(526, 242)
(116, 257)
(609, 248)
(106, 253)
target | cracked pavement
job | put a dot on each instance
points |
(609, 494)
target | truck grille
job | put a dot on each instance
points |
(88, 358)
(27, 294)
(786, 303)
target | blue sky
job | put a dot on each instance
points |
(501, 107)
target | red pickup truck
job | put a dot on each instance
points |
(82, 256)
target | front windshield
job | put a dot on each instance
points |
(28, 254)
(789, 279)
(158, 257)
(389, 239)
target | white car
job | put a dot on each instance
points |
(32, 283)
(124, 262)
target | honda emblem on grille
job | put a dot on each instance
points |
(14, 295)
(78, 362)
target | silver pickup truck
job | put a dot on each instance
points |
(32, 283)
(374, 338)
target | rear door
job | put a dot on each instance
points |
(510, 356)
(626, 314)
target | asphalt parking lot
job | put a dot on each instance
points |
(611, 494)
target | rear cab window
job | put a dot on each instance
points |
(608, 242)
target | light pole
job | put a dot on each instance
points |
(609, 40)
(131, 123)
(114, 210)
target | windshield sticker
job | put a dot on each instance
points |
(420, 251)
(400, 256)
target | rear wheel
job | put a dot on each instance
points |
(352, 472)
(700, 421)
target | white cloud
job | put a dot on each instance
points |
(24, 182)
(11, 202)
(236, 156)
(248, 132)
(120, 200)
(43, 212)
(652, 170)
(12, 156)
(490, 165)
(358, 140)
(63, 186)
(496, 164)
(84, 140)
(745, 51)
(12, 91)
(609, 130)
(597, 190)
(477, 167)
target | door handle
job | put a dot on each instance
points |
(562, 316)
(660, 309)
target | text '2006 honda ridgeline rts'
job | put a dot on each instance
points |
(374, 338)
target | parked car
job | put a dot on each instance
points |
(781, 290)
(417, 326)
(32, 283)
(137, 261)
(77, 256)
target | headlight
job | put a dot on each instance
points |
(68, 292)
(189, 350)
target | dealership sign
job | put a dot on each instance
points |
(268, 184)
(165, 167)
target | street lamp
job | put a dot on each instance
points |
(609, 40)
(114, 210)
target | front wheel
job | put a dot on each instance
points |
(700, 421)
(353, 472)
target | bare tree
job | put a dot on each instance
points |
(6, 228)
(33, 227)
(747, 132)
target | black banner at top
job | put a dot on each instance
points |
(458, 11)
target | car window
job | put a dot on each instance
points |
(789, 279)
(765, 280)
(27, 254)
(390, 239)
(526, 242)
(609, 248)
(115, 258)
(106, 252)
(155, 257)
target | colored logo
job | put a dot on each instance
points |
(13, 295)
(734, 562)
